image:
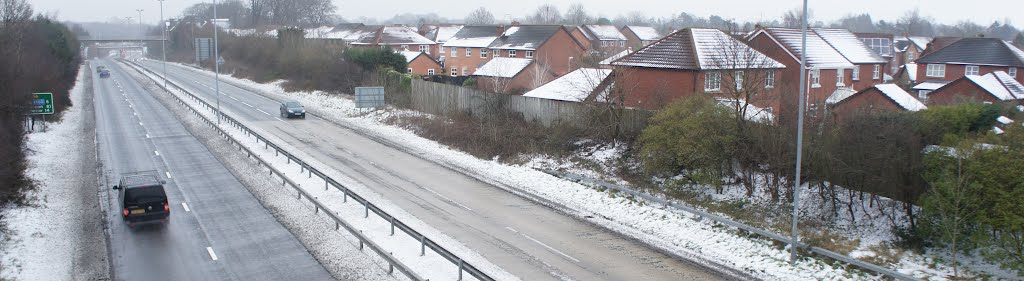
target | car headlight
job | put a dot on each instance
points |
(291, 111)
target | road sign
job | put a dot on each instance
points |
(369, 97)
(220, 60)
(42, 103)
(204, 47)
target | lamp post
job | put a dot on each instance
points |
(216, 61)
(799, 136)
(163, 41)
(141, 32)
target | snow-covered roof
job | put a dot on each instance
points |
(318, 32)
(839, 95)
(604, 32)
(848, 45)
(609, 60)
(1004, 120)
(717, 50)
(819, 53)
(990, 83)
(409, 56)
(473, 37)
(351, 32)
(444, 33)
(503, 67)
(1016, 51)
(753, 113)
(393, 35)
(575, 86)
(525, 37)
(929, 86)
(1010, 83)
(645, 33)
(901, 97)
(911, 69)
(920, 42)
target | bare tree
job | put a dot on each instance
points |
(480, 16)
(913, 23)
(793, 18)
(577, 15)
(13, 11)
(546, 14)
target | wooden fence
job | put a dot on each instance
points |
(437, 98)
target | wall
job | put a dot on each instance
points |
(423, 62)
(957, 71)
(557, 51)
(959, 91)
(866, 76)
(653, 88)
(460, 60)
(869, 101)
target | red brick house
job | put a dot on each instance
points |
(869, 67)
(577, 33)
(877, 98)
(970, 56)
(908, 49)
(512, 75)
(995, 87)
(882, 45)
(639, 36)
(397, 38)
(605, 39)
(551, 46)
(421, 63)
(696, 61)
(440, 34)
(467, 49)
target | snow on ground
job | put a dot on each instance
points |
(681, 234)
(54, 237)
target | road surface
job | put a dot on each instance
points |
(217, 231)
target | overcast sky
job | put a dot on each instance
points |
(983, 12)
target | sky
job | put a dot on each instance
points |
(942, 11)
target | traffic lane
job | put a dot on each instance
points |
(243, 235)
(246, 107)
(485, 218)
(174, 251)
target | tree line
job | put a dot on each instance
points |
(255, 13)
(37, 54)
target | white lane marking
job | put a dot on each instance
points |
(157, 153)
(439, 195)
(168, 174)
(279, 119)
(264, 112)
(545, 245)
(213, 255)
(147, 136)
(246, 104)
(185, 206)
(140, 123)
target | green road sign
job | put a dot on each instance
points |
(42, 103)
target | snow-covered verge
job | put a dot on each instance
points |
(404, 247)
(678, 233)
(59, 235)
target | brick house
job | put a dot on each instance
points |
(551, 46)
(995, 87)
(516, 76)
(877, 98)
(639, 36)
(397, 38)
(577, 33)
(938, 43)
(605, 39)
(346, 33)
(882, 45)
(421, 63)
(869, 68)
(910, 48)
(467, 49)
(696, 61)
(439, 34)
(970, 56)
(828, 70)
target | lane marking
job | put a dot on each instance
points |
(264, 112)
(545, 245)
(157, 153)
(185, 206)
(147, 136)
(140, 123)
(168, 174)
(447, 199)
(213, 255)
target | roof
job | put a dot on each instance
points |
(140, 180)
(997, 85)
(839, 95)
(503, 67)
(393, 35)
(575, 86)
(409, 56)
(938, 43)
(977, 51)
(603, 32)
(609, 60)
(645, 33)
(848, 45)
(479, 36)
(911, 69)
(753, 113)
(441, 34)
(698, 49)
(351, 32)
(930, 86)
(920, 42)
(525, 37)
(891, 91)
(819, 53)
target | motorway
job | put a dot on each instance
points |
(217, 230)
(526, 239)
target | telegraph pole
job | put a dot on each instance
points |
(163, 41)
(142, 33)
(216, 61)
(799, 138)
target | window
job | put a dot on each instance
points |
(881, 46)
(529, 54)
(839, 77)
(739, 80)
(511, 53)
(910, 56)
(410, 70)
(483, 53)
(855, 73)
(469, 52)
(877, 73)
(769, 79)
(1012, 72)
(816, 78)
(404, 47)
(455, 72)
(622, 43)
(497, 53)
(455, 51)
(430, 71)
(936, 70)
(972, 70)
(423, 48)
(712, 81)
(923, 94)
(465, 71)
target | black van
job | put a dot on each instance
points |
(142, 199)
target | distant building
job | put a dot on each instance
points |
(995, 87)
(639, 36)
(421, 63)
(877, 98)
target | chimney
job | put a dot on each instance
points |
(981, 35)
(758, 26)
(515, 23)
(501, 30)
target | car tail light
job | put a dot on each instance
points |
(125, 211)
(167, 208)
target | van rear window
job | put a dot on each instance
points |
(145, 194)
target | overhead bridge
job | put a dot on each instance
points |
(91, 39)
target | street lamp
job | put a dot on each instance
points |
(141, 32)
(216, 61)
(799, 136)
(163, 41)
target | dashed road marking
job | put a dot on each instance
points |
(185, 206)
(157, 153)
(545, 245)
(442, 196)
(168, 174)
(213, 255)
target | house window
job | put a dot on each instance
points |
(923, 94)
(465, 71)
(910, 56)
(739, 80)
(455, 51)
(936, 70)
(469, 52)
(423, 48)
(855, 73)
(529, 54)
(455, 72)
(483, 53)
(1013, 72)
(877, 73)
(622, 43)
(816, 78)
(712, 81)
(972, 70)
(405, 47)
(769, 79)
(497, 53)
(839, 77)
(430, 71)
(511, 53)
(410, 70)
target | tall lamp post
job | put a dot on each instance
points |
(216, 61)
(141, 32)
(799, 136)
(163, 41)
